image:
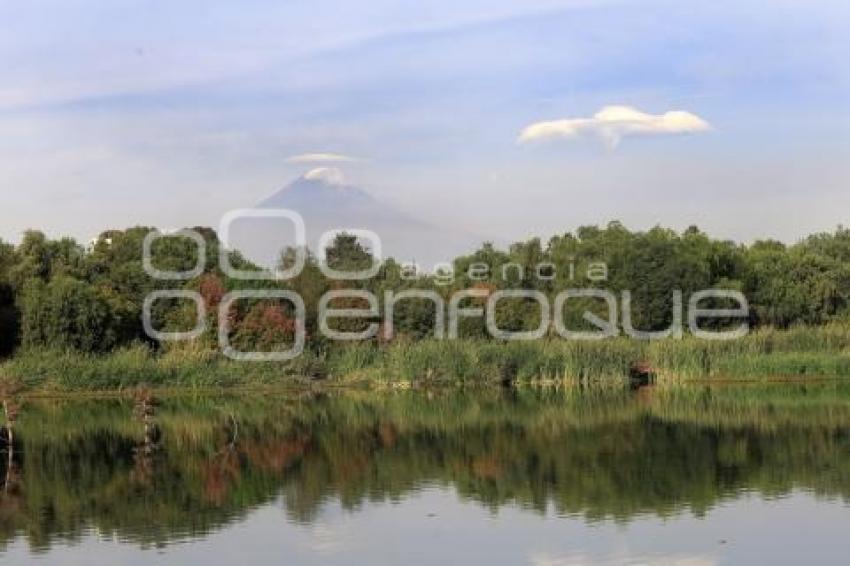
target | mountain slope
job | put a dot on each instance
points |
(326, 203)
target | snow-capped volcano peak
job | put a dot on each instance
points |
(328, 175)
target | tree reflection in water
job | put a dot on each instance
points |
(198, 464)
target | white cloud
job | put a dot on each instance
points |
(613, 123)
(322, 158)
(329, 175)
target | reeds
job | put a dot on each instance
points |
(766, 352)
(798, 352)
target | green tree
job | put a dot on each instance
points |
(66, 313)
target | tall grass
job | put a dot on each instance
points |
(822, 351)
(764, 352)
(486, 361)
(138, 365)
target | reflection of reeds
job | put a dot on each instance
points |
(144, 409)
(10, 393)
(144, 406)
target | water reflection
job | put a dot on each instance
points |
(154, 471)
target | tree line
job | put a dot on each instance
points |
(56, 293)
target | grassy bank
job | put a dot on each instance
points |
(421, 362)
(800, 351)
(139, 365)
(821, 351)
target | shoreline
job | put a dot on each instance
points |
(291, 392)
(803, 354)
(50, 390)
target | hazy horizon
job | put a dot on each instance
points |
(499, 241)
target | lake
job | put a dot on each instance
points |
(694, 474)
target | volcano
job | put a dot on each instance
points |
(326, 202)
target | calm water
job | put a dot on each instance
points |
(697, 475)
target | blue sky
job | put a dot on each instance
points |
(165, 113)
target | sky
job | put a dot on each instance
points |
(510, 119)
